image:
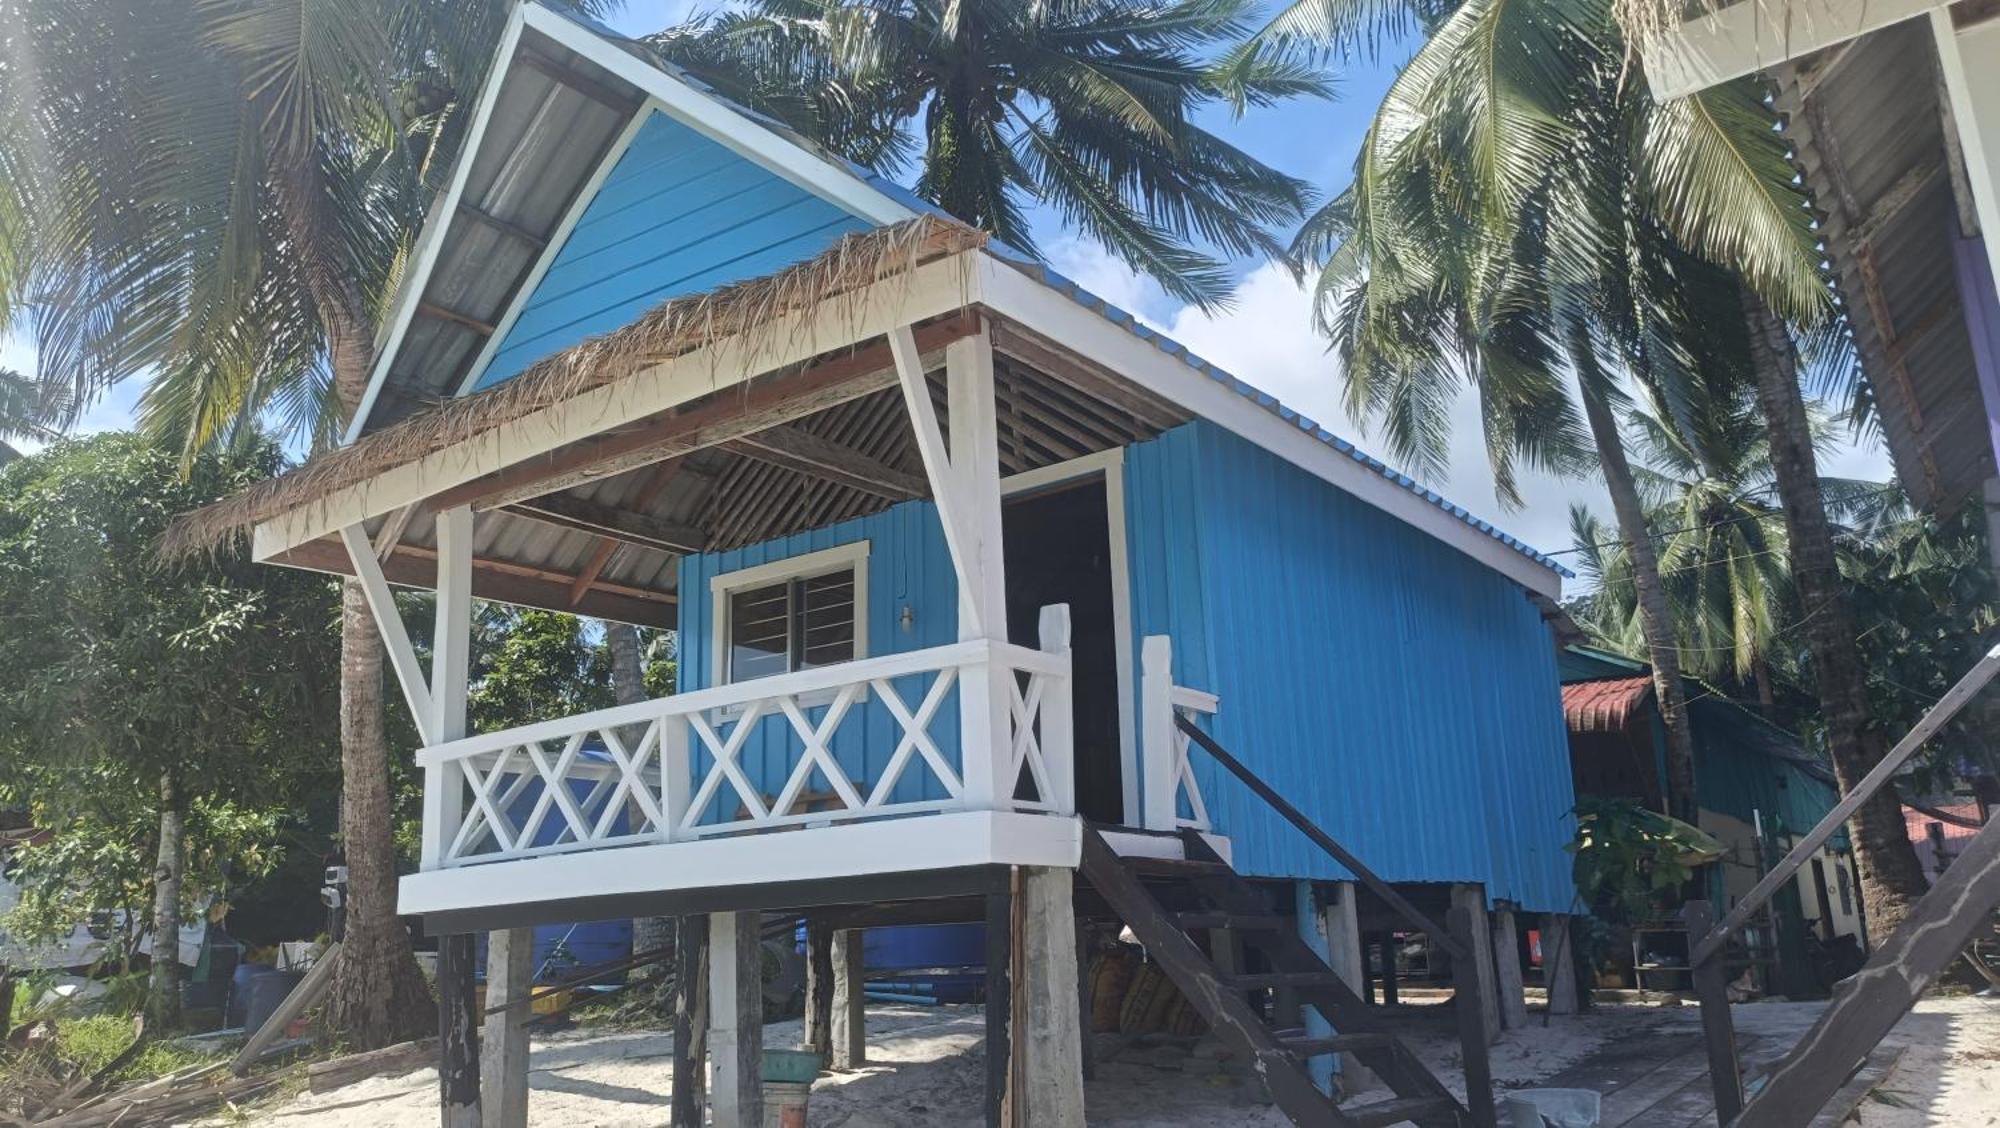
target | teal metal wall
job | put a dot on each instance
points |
(908, 567)
(679, 214)
(1402, 695)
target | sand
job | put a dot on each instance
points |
(927, 1069)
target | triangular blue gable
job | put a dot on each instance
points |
(679, 214)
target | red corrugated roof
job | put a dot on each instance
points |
(1604, 706)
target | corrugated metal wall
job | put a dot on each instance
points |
(908, 566)
(679, 214)
(1402, 695)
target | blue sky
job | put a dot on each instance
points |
(1266, 337)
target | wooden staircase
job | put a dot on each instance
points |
(1206, 893)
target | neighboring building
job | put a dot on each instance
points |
(1757, 787)
(951, 544)
(1938, 841)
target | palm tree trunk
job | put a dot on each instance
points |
(163, 985)
(1654, 616)
(1892, 881)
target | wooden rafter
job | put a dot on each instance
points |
(505, 227)
(583, 515)
(808, 453)
(766, 401)
(507, 582)
(431, 309)
(607, 547)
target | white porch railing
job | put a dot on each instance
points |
(626, 775)
(1168, 775)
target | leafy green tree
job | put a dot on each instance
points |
(532, 665)
(1087, 107)
(193, 695)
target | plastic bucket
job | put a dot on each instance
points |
(1552, 1108)
(785, 1103)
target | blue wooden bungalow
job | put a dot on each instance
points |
(961, 558)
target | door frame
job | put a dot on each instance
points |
(1109, 466)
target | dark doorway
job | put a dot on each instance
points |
(1059, 551)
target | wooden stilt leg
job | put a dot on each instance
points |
(1390, 970)
(1512, 995)
(1559, 963)
(1083, 999)
(999, 1003)
(690, 1020)
(503, 1051)
(1048, 1090)
(819, 989)
(458, 1034)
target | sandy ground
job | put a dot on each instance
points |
(926, 1069)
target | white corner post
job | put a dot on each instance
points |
(1058, 733)
(964, 472)
(736, 1020)
(1157, 745)
(459, 1058)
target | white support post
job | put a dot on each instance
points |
(958, 536)
(985, 693)
(1058, 736)
(1157, 746)
(395, 637)
(444, 716)
(736, 1020)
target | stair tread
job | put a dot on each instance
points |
(1175, 867)
(1335, 1044)
(1383, 1113)
(1220, 918)
(1257, 981)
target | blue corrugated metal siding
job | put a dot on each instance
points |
(908, 566)
(1401, 694)
(679, 214)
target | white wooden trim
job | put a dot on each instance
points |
(1752, 35)
(430, 242)
(941, 841)
(1111, 465)
(938, 468)
(853, 555)
(1098, 339)
(551, 249)
(395, 637)
(450, 659)
(1977, 118)
(725, 124)
(935, 288)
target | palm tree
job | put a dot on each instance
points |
(1086, 107)
(214, 196)
(1520, 185)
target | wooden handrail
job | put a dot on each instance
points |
(1437, 933)
(1935, 718)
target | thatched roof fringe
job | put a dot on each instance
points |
(674, 328)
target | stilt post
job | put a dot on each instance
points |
(736, 1020)
(850, 1001)
(999, 1003)
(1048, 1081)
(690, 1020)
(503, 1057)
(1559, 963)
(1312, 930)
(1507, 980)
(1472, 1004)
(819, 989)
(458, 1034)
(1472, 898)
(1348, 956)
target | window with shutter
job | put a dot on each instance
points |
(791, 615)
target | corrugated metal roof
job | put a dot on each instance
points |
(1869, 134)
(1604, 706)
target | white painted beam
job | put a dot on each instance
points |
(936, 458)
(395, 636)
(1752, 35)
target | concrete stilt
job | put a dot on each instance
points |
(1559, 963)
(736, 1020)
(1347, 954)
(1507, 970)
(1046, 1086)
(850, 1015)
(1473, 899)
(503, 1049)
(690, 1089)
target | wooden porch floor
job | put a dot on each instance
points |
(1662, 1082)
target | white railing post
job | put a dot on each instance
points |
(1156, 732)
(444, 809)
(985, 733)
(1058, 740)
(676, 774)
(444, 798)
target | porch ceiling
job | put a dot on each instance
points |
(598, 527)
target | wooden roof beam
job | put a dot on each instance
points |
(807, 453)
(607, 547)
(505, 227)
(610, 522)
(764, 402)
(413, 567)
(431, 309)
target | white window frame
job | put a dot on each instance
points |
(721, 587)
